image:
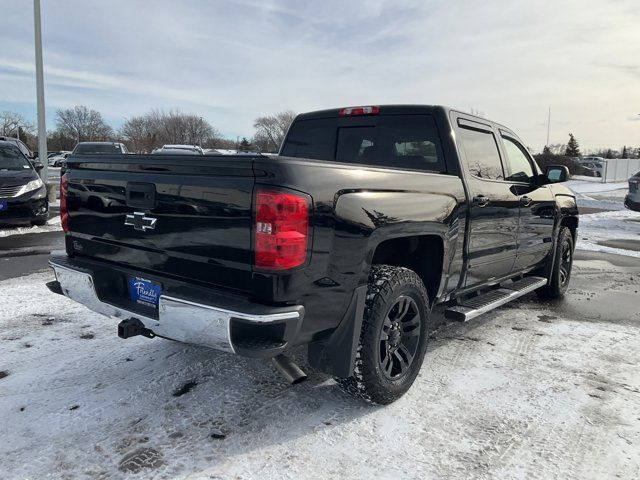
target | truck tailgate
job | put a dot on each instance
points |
(184, 216)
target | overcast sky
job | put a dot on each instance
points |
(231, 61)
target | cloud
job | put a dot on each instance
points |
(233, 61)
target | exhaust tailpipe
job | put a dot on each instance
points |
(289, 370)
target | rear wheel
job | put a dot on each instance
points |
(394, 334)
(561, 272)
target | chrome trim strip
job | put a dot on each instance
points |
(179, 319)
(272, 317)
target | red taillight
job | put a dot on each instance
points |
(64, 216)
(281, 229)
(345, 112)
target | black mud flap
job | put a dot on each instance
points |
(54, 286)
(337, 355)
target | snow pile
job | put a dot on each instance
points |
(607, 226)
(605, 196)
(524, 392)
(53, 225)
(584, 185)
(615, 223)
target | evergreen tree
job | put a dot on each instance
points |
(245, 146)
(573, 149)
(625, 154)
(609, 154)
(546, 150)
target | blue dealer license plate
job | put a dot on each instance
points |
(144, 292)
(4, 206)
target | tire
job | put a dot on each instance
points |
(397, 307)
(561, 273)
(40, 222)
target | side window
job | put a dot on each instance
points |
(520, 169)
(482, 154)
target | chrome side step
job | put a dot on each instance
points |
(475, 306)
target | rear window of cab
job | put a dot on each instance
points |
(390, 141)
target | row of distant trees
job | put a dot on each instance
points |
(145, 132)
(572, 149)
(568, 154)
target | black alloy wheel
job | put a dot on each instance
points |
(399, 337)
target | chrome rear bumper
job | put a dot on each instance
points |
(178, 319)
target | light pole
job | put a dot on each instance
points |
(42, 126)
(548, 125)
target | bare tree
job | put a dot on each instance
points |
(271, 129)
(157, 128)
(13, 124)
(139, 133)
(82, 124)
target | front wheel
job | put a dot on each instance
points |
(393, 339)
(561, 272)
(40, 222)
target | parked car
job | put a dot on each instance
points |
(26, 151)
(344, 242)
(632, 200)
(59, 159)
(23, 195)
(100, 148)
(595, 164)
(175, 151)
(188, 148)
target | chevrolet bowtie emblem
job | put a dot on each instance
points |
(140, 221)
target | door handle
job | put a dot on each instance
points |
(480, 201)
(525, 201)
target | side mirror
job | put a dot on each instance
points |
(556, 173)
(38, 166)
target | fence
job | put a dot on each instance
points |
(620, 169)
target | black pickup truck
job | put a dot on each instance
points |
(368, 218)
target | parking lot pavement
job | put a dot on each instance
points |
(29, 253)
(532, 390)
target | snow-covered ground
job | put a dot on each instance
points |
(593, 194)
(596, 228)
(617, 223)
(532, 390)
